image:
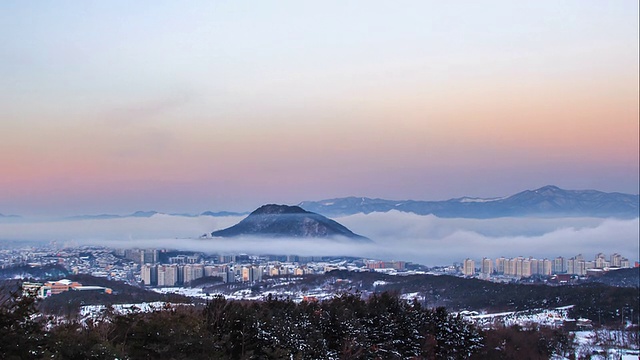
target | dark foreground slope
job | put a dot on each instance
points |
(346, 327)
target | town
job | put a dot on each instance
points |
(163, 268)
(557, 269)
(90, 283)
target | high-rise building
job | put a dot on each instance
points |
(180, 278)
(132, 254)
(615, 260)
(148, 256)
(540, 267)
(577, 266)
(209, 270)
(302, 270)
(589, 265)
(398, 265)
(274, 270)
(251, 273)
(546, 267)
(193, 272)
(559, 265)
(527, 265)
(149, 274)
(601, 262)
(571, 266)
(500, 263)
(188, 274)
(469, 267)
(167, 275)
(513, 267)
(510, 267)
(625, 263)
(198, 271)
(229, 276)
(225, 259)
(487, 266)
(162, 275)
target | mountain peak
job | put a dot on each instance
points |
(548, 188)
(278, 209)
(141, 213)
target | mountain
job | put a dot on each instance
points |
(148, 214)
(287, 221)
(546, 201)
(111, 216)
(222, 213)
(93, 217)
(9, 216)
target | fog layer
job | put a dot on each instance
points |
(401, 236)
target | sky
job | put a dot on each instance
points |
(113, 107)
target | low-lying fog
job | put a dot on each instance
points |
(427, 240)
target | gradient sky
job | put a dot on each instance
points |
(210, 105)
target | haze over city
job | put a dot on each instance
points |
(119, 106)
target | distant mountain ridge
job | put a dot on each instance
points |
(8, 216)
(546, 201)
(288, 221)
(148, 214)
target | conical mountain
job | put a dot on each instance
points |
(288, 221)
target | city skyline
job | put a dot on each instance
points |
(112, 108)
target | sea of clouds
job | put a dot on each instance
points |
(427, 240)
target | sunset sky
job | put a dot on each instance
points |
(117, 106)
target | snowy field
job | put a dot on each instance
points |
(545, 317)
(125, 309)
(245, 294)
(602, 344)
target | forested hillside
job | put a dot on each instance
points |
(346, 327)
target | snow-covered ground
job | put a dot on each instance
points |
(190, 292)
(379, 283)
(587, 342)
(124, 309)
(606, 341)
(99, 312)
(246, 294)
(545, 317)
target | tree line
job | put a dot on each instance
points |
(383, 326)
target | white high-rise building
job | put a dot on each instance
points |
(559, 265)
(601, 262)
(500, 263)
(527, 265)
(149, 274)
(615, 260)
(469, 267)
(167, 275)
(547, 266)
(251, 273)
(148, 256)
(487, 266)
(188, 274)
